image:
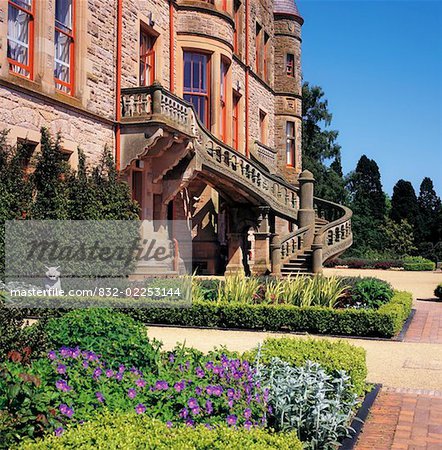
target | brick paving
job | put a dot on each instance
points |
(426, 325)
(402, 420)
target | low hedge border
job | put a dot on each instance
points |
(385, 322)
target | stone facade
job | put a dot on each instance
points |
(251, 38)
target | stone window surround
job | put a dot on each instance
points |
(218, 51)
(44, 53)
(21, 134)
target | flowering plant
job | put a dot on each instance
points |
(199, 390)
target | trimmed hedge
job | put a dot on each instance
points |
(140, 432)
(383, 322)
(332, 356)
(417, 263)
(438, 291)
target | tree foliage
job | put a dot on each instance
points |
(404, 204)
(320, 152)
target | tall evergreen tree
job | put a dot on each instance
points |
(321, 153)
(429, 208)
(368, 202)
(404, 203)
(48, 179)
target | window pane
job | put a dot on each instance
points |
(62, 57)
(63, 14)
(18, 35)
(25, 4)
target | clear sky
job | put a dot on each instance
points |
(380, 65)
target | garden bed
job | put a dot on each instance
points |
(385, 322)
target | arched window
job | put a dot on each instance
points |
(290, 146)
(197, 83)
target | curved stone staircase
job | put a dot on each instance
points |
(303, 250)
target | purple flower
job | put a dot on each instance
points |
(231, 419)
(59, 431)
(65, 352)
(208, 426)
(209, 390)
(76, 352)
(65, 410)
(85, 364)
(190, 423)
(198, 390)
(209, 365)
(140, 383)
(179, 386)
(199, 372)
(195, 411)
(171, 358)
(140, 408)
(192, 402)
(161, 385)
(184, 413)
(230, 393)
(52, 355)
(132, 393)
(62, 385)
(121, 368)
(169, 424)
(119, 376)
(266, 395)
(109, 373)
(97, 373)
(217, 391)
(247, 424)
(209, 407)
(230, 403)
(100, 397)
(270, 409)
(61, 369)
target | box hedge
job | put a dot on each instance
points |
(386, 321)
(438, 291)
(141, 432)
(332, 356)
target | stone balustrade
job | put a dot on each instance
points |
(266, 155)
(293, 243)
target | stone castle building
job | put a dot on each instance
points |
(201, 102)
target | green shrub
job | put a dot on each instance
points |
(384, 322)
(371, 293)
(415, 263)
(134, 432)
(438, 291)
(115, 336)
(332, 356)
(306, 399)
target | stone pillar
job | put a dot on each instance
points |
(156, 99)
(317, 258)
(235, 255)
(306, 213)
(275, 247)
(262, 263)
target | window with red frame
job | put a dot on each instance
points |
(64, 45)
(147, 58)
(236, 18)
(20, 51)
(197, 83)
(266, 57)
(224, 5)
(258, 48)
(235, 120)
(223, 100)
(263, 127)
(290, 145)
(290, 65)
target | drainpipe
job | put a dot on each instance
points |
(118, 84)
(246, 7)
(172, 48)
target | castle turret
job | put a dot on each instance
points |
(288, 88)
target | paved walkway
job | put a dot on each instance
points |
(407, 415)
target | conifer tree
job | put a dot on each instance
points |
(404, 203)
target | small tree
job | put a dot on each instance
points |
(404, 203)
(400, 237)
(429, 207)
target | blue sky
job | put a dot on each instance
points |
(380, 65)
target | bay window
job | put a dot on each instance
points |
(196, 84)
(291, 144)
(20, 50)
(64, 45)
